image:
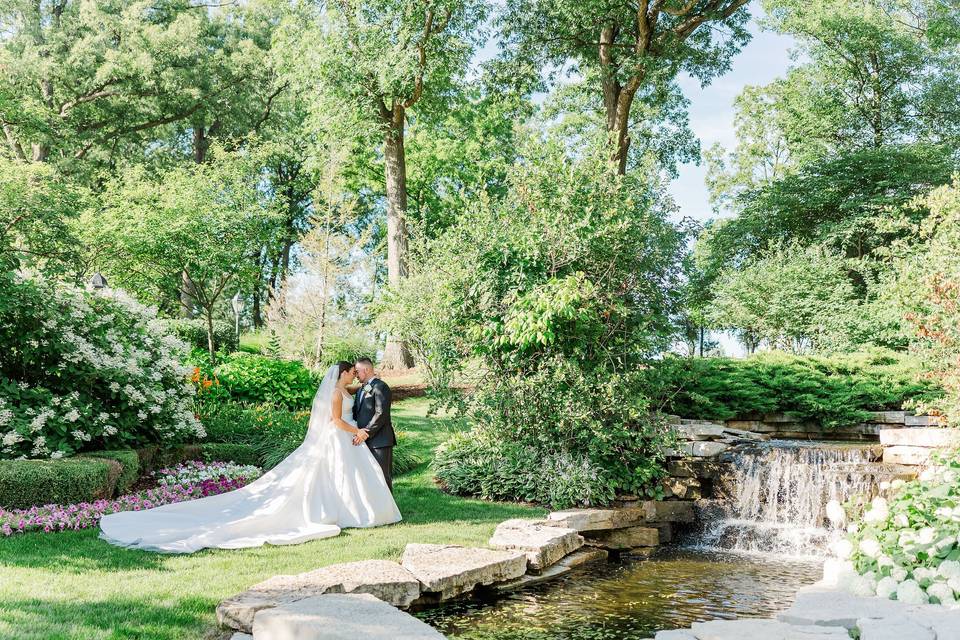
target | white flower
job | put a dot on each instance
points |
(898, 573)
(886, 587)
(910, 592)
(11, 438)
(954, 583)
(836, 571)
(142, 415)
(949, 476)
(56, 454)
(923, 573)
(861, 586)
(884, 485)
(878, 512)
(896, 484)
(72, 416)
(853, 527)
(885, 561)
(870, 547)
(835, 513)
(927, 475)
(942, 592)
(842, 548)
(926, 535)
(949, 569)
(110, 430)
(901, 520)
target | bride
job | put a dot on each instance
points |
(326, 484)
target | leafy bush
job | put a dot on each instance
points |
(547, 303)
(193, 331)
(129, 462)
(907, 546)
(85, 370)
(25, 483)
(229, 452)
(258, 379)
(405, 459)
(833, 391)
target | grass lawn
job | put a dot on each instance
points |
(73, 585)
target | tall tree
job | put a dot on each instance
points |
(371, 62)
(633, 49)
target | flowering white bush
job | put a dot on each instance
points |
(906, 546)
(83, 370)
(196, 472)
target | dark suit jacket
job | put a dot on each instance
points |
(373, 414)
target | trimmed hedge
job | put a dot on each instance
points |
(229, 452)
(26, 483)
(129, 461)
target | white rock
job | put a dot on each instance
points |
(597, 519)
(450, 570)
(827, 607)
(543, 544)
(383, 579)
(750, 629)
(902, 454)
(920, 437)
(674, 634)
(241, 636)
(893, 629)
(340, 617)
(702, 449)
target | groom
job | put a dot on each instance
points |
(371, 410)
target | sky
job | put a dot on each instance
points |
(765, 58)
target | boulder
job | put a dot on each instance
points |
(597, 519)
(383, 579)
(543, 544)
(893, 629)
(622, 539)
(683, 488)
(750, 629)
(582, 557)
(816, 605)
(702, 449)
(902, 454)
(340, 617)
(920, 437)
(450, 570)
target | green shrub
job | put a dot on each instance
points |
(229, 452)
(256, 379)
(129, 461)
(84, 371)
(832, 391)
(26, 483)
(193, 331)
(405, 459)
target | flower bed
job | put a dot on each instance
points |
(192, 480)
(907, 547)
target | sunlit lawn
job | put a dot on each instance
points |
(72, 585)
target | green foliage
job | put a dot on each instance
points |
(258, 379)
(193, 331)
(545, 303)
(85, 371)
(25, 483)
(831, 391)
(129, 462)
(229, 452)
(908, 544)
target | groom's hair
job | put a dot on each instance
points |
(366, 361)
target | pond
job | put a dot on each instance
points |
(632, 599)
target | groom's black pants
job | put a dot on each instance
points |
(384, 456)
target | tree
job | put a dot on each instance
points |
(370, 63)
(630, 49)
(193, 227)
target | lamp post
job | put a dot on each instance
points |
(98, 281)
(237, 303)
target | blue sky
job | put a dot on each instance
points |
(765, 58)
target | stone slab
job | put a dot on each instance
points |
(241, 636)
(920, 437)
(893, 629)
(582, 557)
(668, 511)
(902, 454)
(622, 539)
(780, 418)
(340, 617)
(702, 449)
(888, 417)
(751, 629)
(921, 421)
(683, 488)
(604, 519)
(945, 623)
(699, 430)
(543, 544)
(383, 579)
(707, 469)
(530, 579)
(756, 426)
(674, 634)
(450, 570)
(826, 607)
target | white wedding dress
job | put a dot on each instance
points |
(325, 485)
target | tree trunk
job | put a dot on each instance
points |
(186, 300)
(397, 353)
(616, 101)
(210, 348)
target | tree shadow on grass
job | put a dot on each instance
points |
(36, 619)
(73, 552)
(428, 505)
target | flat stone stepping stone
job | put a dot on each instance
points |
(894, 629)
(582, 557)
(628, 538)
(451, 570)
(543, 544)
(674, 634)
(340, 617)
(530, 579)
(383, 579)
(241, 636)
(747, 629)
(824, 607)
(597, 519)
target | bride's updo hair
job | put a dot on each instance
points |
(343, 365)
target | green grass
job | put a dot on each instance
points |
(73, 585)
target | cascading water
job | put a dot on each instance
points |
(780, 491)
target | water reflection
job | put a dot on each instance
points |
(632, 600)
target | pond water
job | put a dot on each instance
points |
(632, 599)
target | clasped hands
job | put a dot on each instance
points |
(361, 437)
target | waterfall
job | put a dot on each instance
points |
(779, 492)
